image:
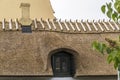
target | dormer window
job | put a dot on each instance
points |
(26, 29)
(25, 20)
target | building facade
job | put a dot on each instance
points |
(50, 47)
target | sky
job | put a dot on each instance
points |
(78, 9)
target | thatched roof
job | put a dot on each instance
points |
(29, 54)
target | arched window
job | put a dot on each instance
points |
(63, 64)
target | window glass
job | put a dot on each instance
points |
(58, 64)
(26, 29)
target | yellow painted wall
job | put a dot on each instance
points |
(38, 9)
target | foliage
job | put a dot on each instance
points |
(113, 50)
(112, 9)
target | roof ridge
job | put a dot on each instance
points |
(77, 26)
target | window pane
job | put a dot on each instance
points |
(26, 29)
(58, 64)
(65, 64)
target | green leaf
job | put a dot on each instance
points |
(114, 53)
(115, 65)
(108, 50)
(109, 14)
(99, 46)
(119, 38)
(94, 45)
(109, 59)
(115, 16)
(119, 58)
(109, 5)
(103, 9)
(118, 17)
(116, 62)
(117, 5)
(117, 0)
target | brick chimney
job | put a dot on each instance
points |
(25, 17)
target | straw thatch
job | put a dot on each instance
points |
(29, 53)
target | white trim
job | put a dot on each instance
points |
(118, 75)
(3, 24)
(42, 23)
(71, 25)
(118, 28)
(88, 26)
(111, 25)
(59, 22)
(77, 25)
(93, 23)
(105, 25)
(100, 26)
(53, 24)
(35, 22)
(66, 25)
(16, 24)
(47, 20)
(81, 22)
(10, 24)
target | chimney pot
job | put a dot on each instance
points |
(25, 19)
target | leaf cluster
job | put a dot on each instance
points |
(113, 50)
(112, 9)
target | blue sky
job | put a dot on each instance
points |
(78, 9)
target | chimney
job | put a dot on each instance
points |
(25, 18)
